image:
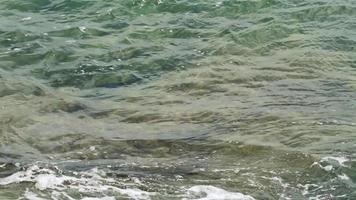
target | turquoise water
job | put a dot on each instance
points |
(175, 99)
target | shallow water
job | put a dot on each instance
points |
(176, 99)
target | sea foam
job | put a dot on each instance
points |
(88, 182)
(208, 192)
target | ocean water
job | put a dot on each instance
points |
(177, 99)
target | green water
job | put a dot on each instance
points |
(177, 99)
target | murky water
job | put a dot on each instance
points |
(177, 99)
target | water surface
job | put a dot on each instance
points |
(177, 99)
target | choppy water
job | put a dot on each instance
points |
(177, 99)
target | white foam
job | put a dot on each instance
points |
(340, 160)
(343, 177)
(18, 177)
(91, 182)
(134, 193)
(50, 181)
(32, 196)
(44, 178)
(26, 18)
(92, 148)
(307, 187)
(214, 193)
(57, 195)
(327, 168)
(333, 162)
(219, 3)
(82, 28)
(100, 198)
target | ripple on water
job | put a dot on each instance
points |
(177, 99)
